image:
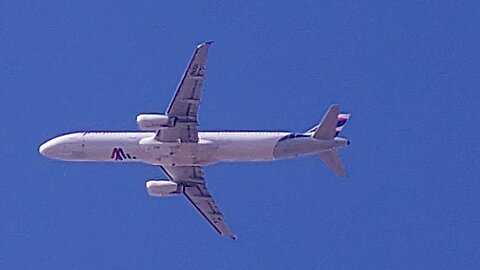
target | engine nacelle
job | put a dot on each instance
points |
(153, 122)
(162, 188)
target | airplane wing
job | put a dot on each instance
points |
(185, 103)
(195, 190)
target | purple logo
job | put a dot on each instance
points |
(119, 154)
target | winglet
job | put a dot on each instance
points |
(205, 43)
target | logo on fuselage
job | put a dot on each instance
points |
(119, 154)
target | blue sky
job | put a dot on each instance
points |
(408, 72)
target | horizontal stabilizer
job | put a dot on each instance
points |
(326, 130)
(333, 161)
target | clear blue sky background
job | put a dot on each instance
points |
(408, 72)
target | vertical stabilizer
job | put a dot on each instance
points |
(341, 121)
(331, 125)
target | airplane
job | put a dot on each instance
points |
(172, 141)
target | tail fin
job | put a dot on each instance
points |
(331, 125)
(341, 121)
(333, 161)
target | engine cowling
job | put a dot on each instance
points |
(162, 188)
(153, 122)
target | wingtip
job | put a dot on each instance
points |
(205, 43)
(229, 235)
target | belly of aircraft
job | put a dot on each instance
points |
(181, 154)
(245, 151)
(204, 154)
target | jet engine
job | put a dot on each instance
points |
(153, 122)
(163, 188)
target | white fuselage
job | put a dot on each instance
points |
(212, 147)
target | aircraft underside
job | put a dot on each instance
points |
(172, 141)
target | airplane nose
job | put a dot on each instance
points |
(43, 149)
(49, 148)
